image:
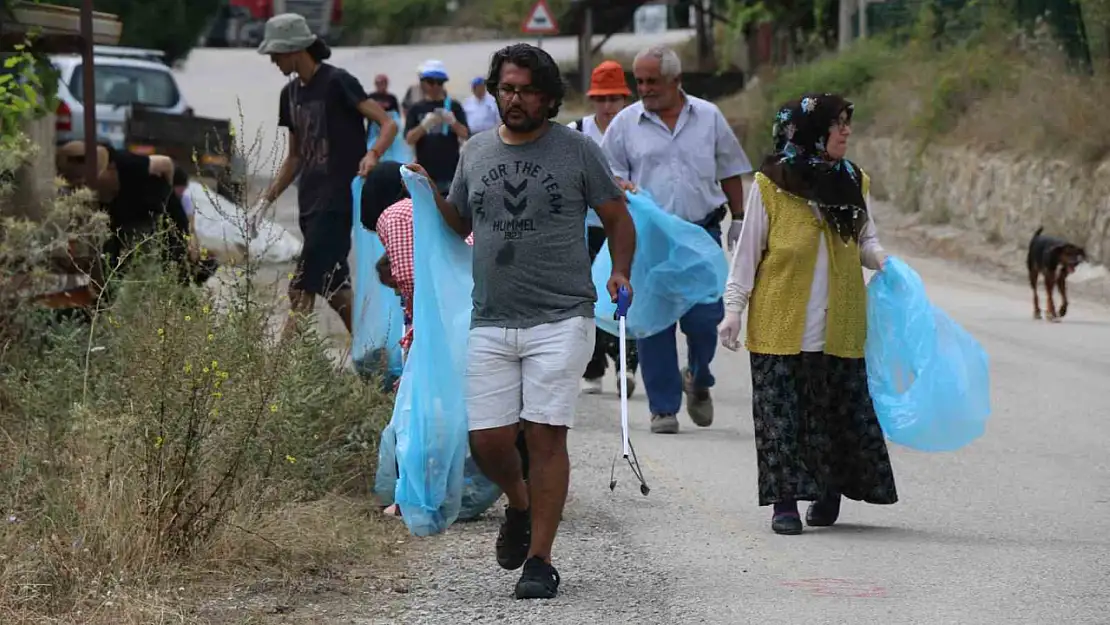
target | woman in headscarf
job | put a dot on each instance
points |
(798, 269)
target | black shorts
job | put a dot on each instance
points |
(322, 268)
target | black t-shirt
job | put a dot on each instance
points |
(325, 118)
(142, 197)
(437, 152)
(388, 101)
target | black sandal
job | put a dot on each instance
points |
(539, 580)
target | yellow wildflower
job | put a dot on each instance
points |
(188, 317)
(158, 441)
(273, 408)
(290, 459)
(188, 368)
(211, 337)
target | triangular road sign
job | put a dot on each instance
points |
(540, 20)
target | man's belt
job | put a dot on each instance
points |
(714, 218)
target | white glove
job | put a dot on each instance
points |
(734, 229)
(447, 116)
(430, 121)
(729, 331)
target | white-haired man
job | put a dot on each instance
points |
(681, 150)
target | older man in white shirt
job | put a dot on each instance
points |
(681, 150)
(481, 108)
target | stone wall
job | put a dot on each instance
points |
(1004, 197)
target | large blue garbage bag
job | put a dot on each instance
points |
(929, 379)
(478, 492)
(429, 418)
(385, 481)
(378, 317)
(677, 265)
(400, 151)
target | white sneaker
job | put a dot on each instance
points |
(591, 387)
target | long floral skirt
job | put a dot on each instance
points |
(816, 431)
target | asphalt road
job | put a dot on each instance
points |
(1014, 529)
(241, 85)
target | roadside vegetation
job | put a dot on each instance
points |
(167, 440)
(995, 87)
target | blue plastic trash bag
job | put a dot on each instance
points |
(385, 481)
(400, 151)
(677, 265)
(478, 492)
(430, 417)
(378, 317)
(929, 379)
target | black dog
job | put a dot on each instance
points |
(1056, 259)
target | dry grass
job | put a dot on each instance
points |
(997, 93)
(169, 440)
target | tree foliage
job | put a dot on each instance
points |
(172, 26)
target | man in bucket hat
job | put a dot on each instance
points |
(436, 126)
(325, 110)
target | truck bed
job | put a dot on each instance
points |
(205, 146)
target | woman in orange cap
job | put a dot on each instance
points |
(609, 94)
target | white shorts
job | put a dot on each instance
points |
(531, 374)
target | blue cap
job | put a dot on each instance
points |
(481, 80)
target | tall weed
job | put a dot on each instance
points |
(168, 432)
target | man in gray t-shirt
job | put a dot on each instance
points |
(523, 189)
(527, 204)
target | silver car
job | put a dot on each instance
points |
(124, 77)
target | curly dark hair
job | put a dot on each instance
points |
(545, 72)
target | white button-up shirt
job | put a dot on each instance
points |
(481, 114)
(681, 170)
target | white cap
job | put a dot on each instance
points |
(433, 68)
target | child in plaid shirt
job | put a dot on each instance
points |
(387, 210)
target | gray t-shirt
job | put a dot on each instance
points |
(527, 204)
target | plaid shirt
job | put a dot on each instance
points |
(395, 232)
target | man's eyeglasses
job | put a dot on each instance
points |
(527, 92)
(435, 82)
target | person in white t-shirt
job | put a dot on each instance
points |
(609, 94)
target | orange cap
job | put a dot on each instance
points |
(608, 79)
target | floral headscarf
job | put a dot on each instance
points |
(800, 165)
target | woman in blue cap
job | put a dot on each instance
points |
(436, 126)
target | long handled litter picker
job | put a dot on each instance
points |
(629, 454)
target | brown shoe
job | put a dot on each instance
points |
(699, 404)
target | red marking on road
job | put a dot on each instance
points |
(833, 587)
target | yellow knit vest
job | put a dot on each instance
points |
(777, 308)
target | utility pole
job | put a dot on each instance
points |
(88, 78)
(863, 19)
(844, 24)
(586, 45)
